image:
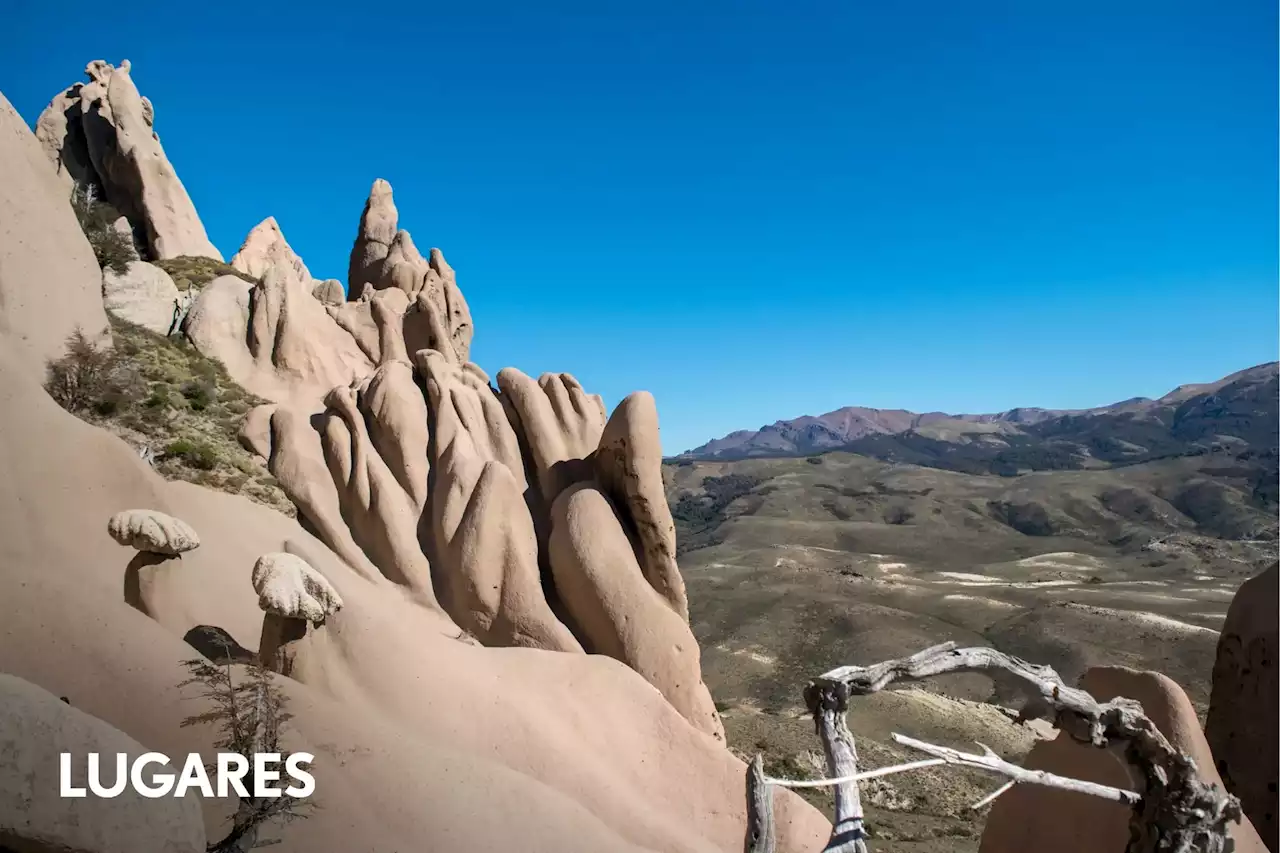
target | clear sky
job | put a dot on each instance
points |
(755, 210)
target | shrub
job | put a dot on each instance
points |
(814, 460)
(97, 220)
(90, 377)
(898, 514)
(192, 273)
(196, 454)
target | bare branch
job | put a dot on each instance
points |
(857, 777)
(828, 703)
(993, 763)
(760, 837)
(1177, 811)
(991, 798)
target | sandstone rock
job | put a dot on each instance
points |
(385, 258)
(35, 727)
(285, 438)
(1243, 725)
(145, 295)
(373, 240)
(61, 135)
(558, 422)
(381, 515)
(628, 465)
(288, 586)
(133, 169)
(396, 414)
(329, 292)
(152, 531)
(1031, 817)
(616, 612)
(50, 283)
(265, 246)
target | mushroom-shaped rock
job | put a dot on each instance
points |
(153, 532)
(294, 597)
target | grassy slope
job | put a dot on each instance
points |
(167, 396)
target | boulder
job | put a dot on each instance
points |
(35, 728)
(329, 292)
(153, 532)
(1243, 724)
(50, 283)
(1031, 817)
(144, 295)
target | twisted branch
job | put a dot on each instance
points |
(1174, 811)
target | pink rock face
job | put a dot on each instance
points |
(40, 241)
(1244, 722)
(1031, 817)
(102, 132)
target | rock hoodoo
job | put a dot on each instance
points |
(435, 504)
(101, 134)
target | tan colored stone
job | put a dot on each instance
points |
(1243, 726)
(152, 531)
(628, 465)
(264, 246)
(1046, 819)
(50, 283)
(144, 295)
(616, 612)
(329, 292)
(35, 728)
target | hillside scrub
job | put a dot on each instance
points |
(697, 516)
(192, 273)
(168, 401)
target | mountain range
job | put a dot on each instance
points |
(1237, 412)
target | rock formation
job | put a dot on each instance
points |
(294, 596)
(34, 728)
(425, 511)
(152, 532)
(1037, 818)
(101, 133)
(264, 246)
(1241, 726)
(50, 283)
(145, 295)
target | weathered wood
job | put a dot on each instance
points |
(828, 703)
(993, 763)
(1177, 812)
(760, 835)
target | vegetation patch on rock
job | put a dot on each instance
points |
(192, 273)
(178, 407)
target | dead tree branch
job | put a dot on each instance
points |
(993, 763)
(1176, 812)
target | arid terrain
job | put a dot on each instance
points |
(796, 565)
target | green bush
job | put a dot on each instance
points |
(192, 273)
(97, 219)
(196, 454)
(90, 377)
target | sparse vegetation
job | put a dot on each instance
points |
(251, 716)
(161, 394)
(697, 516)
(113, 249)
(192, 273)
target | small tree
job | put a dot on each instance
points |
(89, 376)
(250, 717)
(97, 219)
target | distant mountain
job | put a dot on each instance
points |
(1237, 413)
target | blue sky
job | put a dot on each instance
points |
(755, 210)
